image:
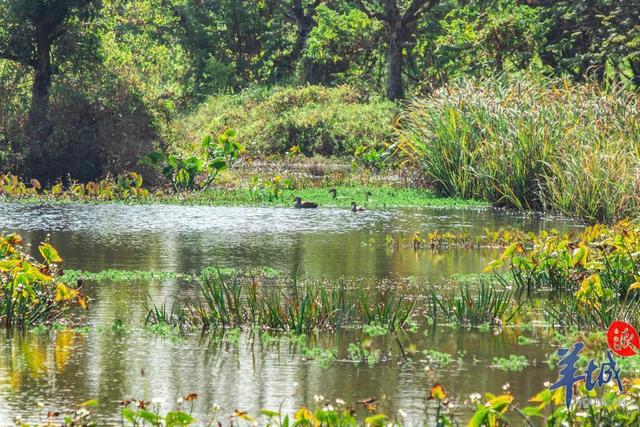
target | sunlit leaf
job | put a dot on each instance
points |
(49, 253)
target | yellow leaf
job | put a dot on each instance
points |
(635, 285)
(303, 414)
(437, 392)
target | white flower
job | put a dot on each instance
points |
(547, 384)
(295, 384)
(328, 407)
(318, 398)
(179, 400)
(216, 408)
(506, 387)
(402, 413)
(340, 402)
(475, 397)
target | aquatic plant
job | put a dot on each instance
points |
(177, 316)
(611, 407)
(198, 171)
(362, 351)
(32, 292)
(593, 274)
(487, 306)
(122, 187)
(223, 301)
(438, 357)
(389, 310)
(512, 363)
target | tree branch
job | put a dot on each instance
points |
(369, 12)
(416, 9)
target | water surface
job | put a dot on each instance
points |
(62, 369)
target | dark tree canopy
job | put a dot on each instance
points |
(42, 36)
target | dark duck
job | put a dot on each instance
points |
(300, 204)
(356, 208)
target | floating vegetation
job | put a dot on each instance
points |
(32, 291)
(512, 363)
(122, 187)
(363, 352)
(437, 239)
(116, 275)
(522, 340)
(440, 358)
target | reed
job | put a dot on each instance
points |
(553, 147)
(301, 308)
(487, 306)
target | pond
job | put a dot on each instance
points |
(64, 368)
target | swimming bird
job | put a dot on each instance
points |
(356, 208)
(334, 192)
(304, 204)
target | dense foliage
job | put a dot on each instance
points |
(311, 120)
(32, 292)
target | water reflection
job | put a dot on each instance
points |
(66, 368)
(324, 242)
(63, 369)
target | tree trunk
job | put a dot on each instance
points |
(39, 125)
(304, 24)
(395, 89)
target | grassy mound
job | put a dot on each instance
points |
(319, 120)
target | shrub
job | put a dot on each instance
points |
(318, 120)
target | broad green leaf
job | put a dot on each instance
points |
(49, 253)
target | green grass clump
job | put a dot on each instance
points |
(553, 147)
(298, 308)
(318, 120)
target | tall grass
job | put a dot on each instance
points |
(534, 145)
(223, 301)
(486, 306)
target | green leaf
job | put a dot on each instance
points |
(206, 141)
(90, 403)
(376, 420)
(129, 415)
(149, 417)
(49, 253)
(183, 178)
(178, 419)
(532, 411)
(270, 414)
(479, 416)
(218, 163)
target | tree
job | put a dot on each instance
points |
(592, 39)
(399, 18)
(42, 35)
(301, 13)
